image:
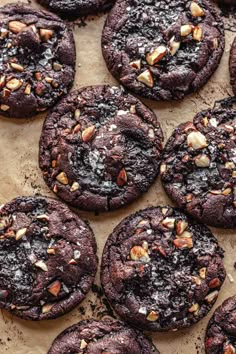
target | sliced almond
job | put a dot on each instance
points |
(138, 252)
(122, 178)
(16, 26)
(181, 226)
(156, 55)
(136, 64)
(152, 316)
(146, 78)
(197, 33)
(75, 186)
(196, 140)
(88, 133)
(185, 30)
(46, 34)
(83, 344)
(54, 288)
(42, 265)
(20, 233)
(62, 178)
(17, 67)
(2, 81)
(14, 84)
(169, 223)
(196, 10)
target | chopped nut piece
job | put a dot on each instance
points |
(3, 32)
(196, 140)
(183, 243)
(20, 233)
(122, 178)
(54, 288)
(54, 163)
(48, 79)
(185, 30)
(38, 76)
(169, 223)
(202, 161)
(2, 81)
(214, 283)
(132, 109)
(6, 92)
(229, 349)
(215, 192)
(72, 261)
(43, 217)
(164, 211)
(14, 84)
(77, 113)
(229, 165)
(76, 129)
(174, 46)
(51, 251)
(4, 107)
(88, 133)
(196, 280)
(45, 34)
(196, 10)
(186, 234)
(83, 344)
(16, 26)
(194, 308)
(46, 308)
(28, 89)
(41, 265)
(181, 226)
(146, 78)
(138, 252)
(155, 56)
(152, 316)
(145, 245)
(202, 272)
(136, 64)
(151, 133)
(17, 67)
(62, 178)
(57, 66)
(55, 188)
(197, 33)
(212, 296)
(163, 168)
(75, 186)
(227, 191)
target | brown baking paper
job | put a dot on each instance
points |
(20, 175)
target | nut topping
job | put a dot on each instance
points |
(16, 26)
(139, 253)
(51, 251)
(155, 56)
(196, 10)
(46, 308)
(229, 349)
(41, 265)
(14, 84)
(202, 161)
(152, 316)
(194, 308)
(196, 140)
(20, 233)
(174, 46)
(136, 64)
(181, 226)
(88, 133)
(121, 178)
(45, 34)
(196, 280)
(75, 186)
(28, 89)
(202, 272)
(17, 67)
(62, 178)
(212, 296)
(197, 33)
(183, 243)
(185, 30)
(83, 344)
(4, 107)
(54, 288)
(146, 78)
(43, 217)
(169, 223)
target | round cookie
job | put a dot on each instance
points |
(100, 148)
(48, 258)
(163, 49)
(37, 60)
(221, 330)
(107, 336)
(160, 270)
(199, 167)
(232, 66)
(77, 8)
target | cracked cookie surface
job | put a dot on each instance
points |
(221, 330)
(164, 49)
(160, 270)
(48, 258)
(107, 336)
(199, 167)
(100, 148)
(77, 8)
(37, 60)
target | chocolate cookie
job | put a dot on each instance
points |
(76, 8)
(221, 330)
(48, 258)
(108, 336)
(100, 148)
(199, 167)
(232, 66)
(163, 49)
(37, 60)
(160, 270)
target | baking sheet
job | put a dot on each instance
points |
(20, 175)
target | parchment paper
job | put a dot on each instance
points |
(20, 175)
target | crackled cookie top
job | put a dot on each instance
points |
(160, 270)
(48, 258)
(199, 167)
(37, 59)
(100, 148)
(163, 49)
(221, 330)
(232, 66)
(76, 8)
(102, 337)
